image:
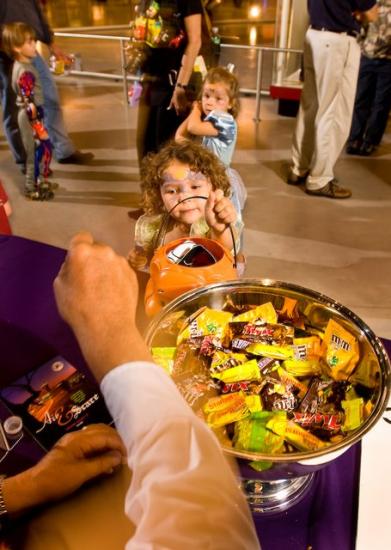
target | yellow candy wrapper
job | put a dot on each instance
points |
(164, 357)
(254, 403)
(310, 367)
(223, 402)
(367, 373)
(235, 412)
(340, 351)
(266, 312)
(268, 350)
(294, 434)
(246, 371)
(289, 380)
(306, 348)
(205, 322)
(354, 414)
(222, 361)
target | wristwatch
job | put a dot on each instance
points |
(179, 85)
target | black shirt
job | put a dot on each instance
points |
(337, 15)
(29, 12)
(165, 59)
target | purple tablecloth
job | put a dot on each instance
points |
(31, 332)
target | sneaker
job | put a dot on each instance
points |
(77, 158)
(39, 194)
(331, 190)
(294, 179)
(367, 149)
(353, 147)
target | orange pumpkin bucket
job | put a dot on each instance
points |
(185, 264)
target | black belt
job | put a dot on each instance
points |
(349, 33)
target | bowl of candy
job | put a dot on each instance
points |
(287, 378)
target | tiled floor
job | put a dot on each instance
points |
(340, 248)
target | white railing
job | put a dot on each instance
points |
(258, 91)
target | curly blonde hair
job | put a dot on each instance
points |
(197, 157)
(218, 75)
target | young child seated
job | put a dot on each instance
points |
(213, 119)
(182, 170)
(18, 41)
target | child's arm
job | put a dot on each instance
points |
(198, 127)
(182, 133)
(219, 214)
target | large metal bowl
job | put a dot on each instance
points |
(318, 309)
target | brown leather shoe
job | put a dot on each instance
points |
(331, 190)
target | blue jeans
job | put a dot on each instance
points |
(373, 101)
(10, 111)
(54, 121)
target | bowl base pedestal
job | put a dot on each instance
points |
(267, 497)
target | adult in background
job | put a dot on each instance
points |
(29, 12)
(163, 102)
(373, 96)
(331, 63)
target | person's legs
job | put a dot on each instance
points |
(155, 123)
(336, 61)
(54, 121)
(377, 121)
(303, 138)
(366, 86)
(29, 146)
(10, 112)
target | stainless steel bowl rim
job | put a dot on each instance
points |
(374, 341)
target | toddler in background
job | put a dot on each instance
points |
(181, 170)
(213, 119)
(18, 41)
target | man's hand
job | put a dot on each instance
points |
(96, 293)
(75, 459)
(59, 54)
(179, 101)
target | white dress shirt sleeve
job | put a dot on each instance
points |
(183, 494)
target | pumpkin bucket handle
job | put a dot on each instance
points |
(159, 240)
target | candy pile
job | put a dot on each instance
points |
(271, 382)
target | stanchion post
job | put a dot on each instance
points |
(123, 67)
(258, 89)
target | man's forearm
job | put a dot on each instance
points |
(179, 474)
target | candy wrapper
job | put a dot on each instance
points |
(205, 322)
(294, 434)
(246, 371)
(340, 351)
(265, 313)
(226, 409)
(251, 434)
(164, 357)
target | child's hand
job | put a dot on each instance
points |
(137, 258)
(219, 211)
